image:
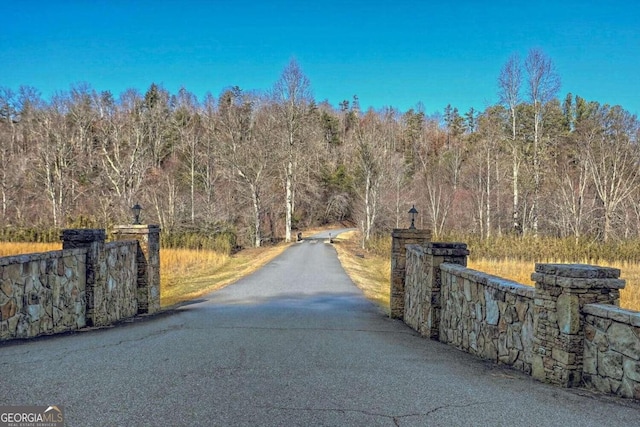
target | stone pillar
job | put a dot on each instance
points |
(401, 237)
(93, 240)
(561, 292)
(148, 259)
(438, 253)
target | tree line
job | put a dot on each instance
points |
(261, 164)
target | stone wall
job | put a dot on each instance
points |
(568, 330)
(116, 298)
(487, 316)
(42, 293)
(88, 283)
(611, 361)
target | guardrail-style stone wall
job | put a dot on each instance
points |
(568, 330)
(42, 293)
(487, 316)
(88, 283)
(117, 298)
(611, 361)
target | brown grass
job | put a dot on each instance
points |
(520, 271)
(187, 274)
(370, 272)
(14, 248)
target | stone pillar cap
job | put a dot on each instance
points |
(578, 271)
(410, 232)
(83, 234)
(134, 228)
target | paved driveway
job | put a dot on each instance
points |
(295, 344)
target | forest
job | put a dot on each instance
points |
(255, 165)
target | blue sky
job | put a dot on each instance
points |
(389, 53)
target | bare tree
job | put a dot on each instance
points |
(439, 166)
(8, 136)
(509, 84)
(543, 84)
(369, 154)
(243, 133)
(125, 158)
(188, 124)
(57, 157)
(613, 158)
(155, 116)
(573, 199)
(292, 95)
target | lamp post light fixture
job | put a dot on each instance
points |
(136, 213)
(413, 212)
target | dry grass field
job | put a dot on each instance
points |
(368, 271)
(520, 271)
(187, 274)
(371, 271)
(12, 248)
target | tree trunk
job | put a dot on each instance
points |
(289, 200)
(255, 197)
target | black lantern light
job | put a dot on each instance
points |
(413, 212)
(136, 213)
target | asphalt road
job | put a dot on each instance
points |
(295, 344)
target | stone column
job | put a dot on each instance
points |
(561, 292)
(148, 259)
(438, 253)
(400, 238)
(93, 240)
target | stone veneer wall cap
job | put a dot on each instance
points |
(489, 280)
(613, 312)
(577, 283)
(408, 232)
(582, 271)
(447, 249)
(38, 256)
(448, 245)
(131, 228)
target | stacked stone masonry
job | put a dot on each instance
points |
(562, 290)
(611, 361)
(42, 293)
(400, 239)
(568, 330)
(487, 316)
(88, 283)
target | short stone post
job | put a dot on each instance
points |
(400, 239)
(148, 259)
(561, 292)
(94, 240)
(438, 253)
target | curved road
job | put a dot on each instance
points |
(295, 344)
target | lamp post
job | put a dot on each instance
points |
(413, 212)
(136, 213)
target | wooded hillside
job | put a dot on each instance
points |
(259, 164)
